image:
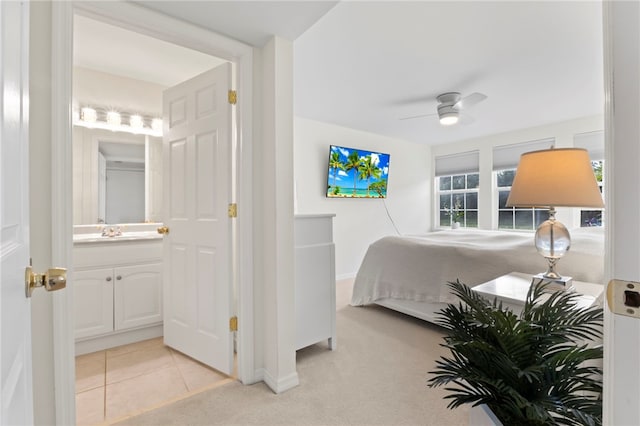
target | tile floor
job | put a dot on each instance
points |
(119, 382)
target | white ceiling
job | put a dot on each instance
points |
(365, 64)
(113, 50)
(252, 22)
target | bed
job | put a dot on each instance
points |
(410, 273)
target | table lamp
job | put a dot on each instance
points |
(550, 178)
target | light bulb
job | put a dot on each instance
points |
(156, 124)
(136, 121)
(89, 115)
(113, 118)
(449, 119)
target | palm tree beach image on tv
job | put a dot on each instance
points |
(357, 173)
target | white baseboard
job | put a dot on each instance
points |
(283, 384)
(258, 376)
(117, 339)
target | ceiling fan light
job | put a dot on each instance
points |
(449, 118)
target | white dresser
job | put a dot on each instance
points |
(315, 280)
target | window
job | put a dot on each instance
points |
(457, 183)
(515, 217)
(594, 217)
(458, 199)
(594, 143)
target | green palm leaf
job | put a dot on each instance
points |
(535, 368)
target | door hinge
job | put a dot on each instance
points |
(233, 323)
(233, 97)
(233, 210)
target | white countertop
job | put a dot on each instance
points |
(126, 236)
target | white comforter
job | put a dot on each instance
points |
(419, 267)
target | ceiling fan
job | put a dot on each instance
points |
(450, 105)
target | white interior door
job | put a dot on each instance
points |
(622, 333)
(15, 319)
(197, 190)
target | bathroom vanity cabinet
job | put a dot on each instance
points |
(117, 292)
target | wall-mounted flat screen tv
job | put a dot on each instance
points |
(357, 173)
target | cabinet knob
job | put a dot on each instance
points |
(108, 279)
(119, 277)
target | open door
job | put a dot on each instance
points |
(197, 190)
(15, 309)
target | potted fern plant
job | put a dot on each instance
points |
(536, 368)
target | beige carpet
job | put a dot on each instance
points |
(377, 376)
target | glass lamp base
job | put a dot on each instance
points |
(552, 241)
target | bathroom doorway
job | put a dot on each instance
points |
(118, 80)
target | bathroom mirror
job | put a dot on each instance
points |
(117, 177)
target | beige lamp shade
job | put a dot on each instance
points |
(561, 177)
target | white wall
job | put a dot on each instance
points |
(359, 222)
(96, 88)
(274, 217)
(563, 133)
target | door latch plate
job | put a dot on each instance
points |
(623, 297)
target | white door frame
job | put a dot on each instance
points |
(145, 21)
(622, 107)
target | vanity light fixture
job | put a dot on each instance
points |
(111, 120)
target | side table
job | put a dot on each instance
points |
(511, 289)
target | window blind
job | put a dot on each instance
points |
(458, 164)
(592, 142)
(508, 156)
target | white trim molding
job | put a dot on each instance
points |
(283, 384)
(61, 208)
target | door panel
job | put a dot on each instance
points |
(197, 259)
(15, 309)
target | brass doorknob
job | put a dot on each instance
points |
(163, 230)
(52, 280)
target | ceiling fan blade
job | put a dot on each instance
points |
(466, 119)
(417, 116)
(470, 100)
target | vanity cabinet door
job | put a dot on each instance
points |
(138, 295)
(93, 305)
